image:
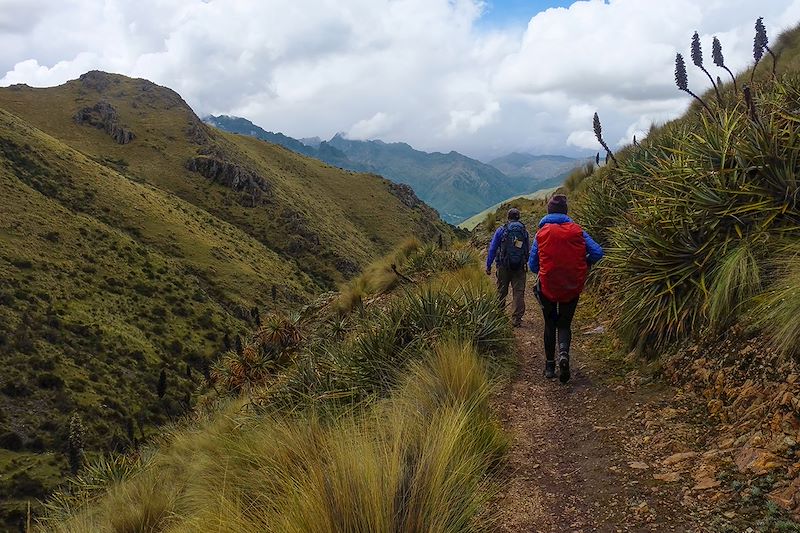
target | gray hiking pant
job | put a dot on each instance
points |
(516, 279)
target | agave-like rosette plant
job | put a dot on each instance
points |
(699, 219)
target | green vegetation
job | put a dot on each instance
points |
(380, 424)
(124, 275)
(700, 219)
(532, 209)
(473, 222)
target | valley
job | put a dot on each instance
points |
(457, 186)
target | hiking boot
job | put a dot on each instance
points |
(550, 369)
(563, 367)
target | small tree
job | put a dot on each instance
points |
(161, 388)
(75, 441)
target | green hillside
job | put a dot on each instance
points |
(473, 222)
(276, 196)
(120, 265)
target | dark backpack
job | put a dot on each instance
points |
(514, 247)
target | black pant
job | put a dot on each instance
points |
(557, 320)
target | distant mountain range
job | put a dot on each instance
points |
(534, 167)
(454, 184)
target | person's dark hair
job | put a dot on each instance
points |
(513, 214)
(557, 204)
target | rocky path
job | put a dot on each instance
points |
(598, 454)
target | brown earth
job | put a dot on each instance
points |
(613, 450)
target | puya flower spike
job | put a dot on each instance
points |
(719, 60)
(682, 80)
(697, 59)
(760, 44)
(598, 132)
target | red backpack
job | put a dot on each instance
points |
(562, 261)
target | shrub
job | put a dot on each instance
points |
(685, 238)
(11, 440)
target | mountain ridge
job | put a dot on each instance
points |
(456, 185)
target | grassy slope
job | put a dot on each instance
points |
(104, 282)
(383, 426)
(116, 262)
(164, 126)
(494, 211)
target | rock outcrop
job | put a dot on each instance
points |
(256, 189)
(405, 194)
(104, 116)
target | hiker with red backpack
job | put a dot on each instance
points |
(510, 247)
(561, 254)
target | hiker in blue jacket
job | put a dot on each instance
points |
(509, 248)
(561, 254)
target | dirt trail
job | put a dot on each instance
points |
(570, 466)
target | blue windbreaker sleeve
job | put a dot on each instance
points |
(533, 258)
(493, 247)
(594, 252)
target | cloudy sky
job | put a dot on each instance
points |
(480, 77)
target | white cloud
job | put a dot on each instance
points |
(421, 71)
(468, 120)
(584, 139)
(375, 126)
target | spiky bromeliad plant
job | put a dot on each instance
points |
(701, 216)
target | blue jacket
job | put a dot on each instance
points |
(494, 247)
(594, 252)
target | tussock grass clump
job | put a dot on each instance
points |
(777, 310)
(383, 467)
